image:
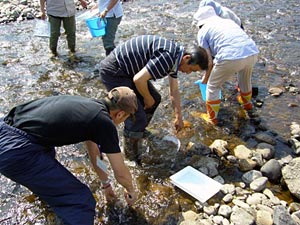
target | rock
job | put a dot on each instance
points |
(281, 216)
(272, 170)
(242, 152)
(264, 218)
(249, 176)
(219, 147)
(227, 198)
(275, 91)
(264, 137)
(259, 184)
(241, 217)
(224, 211)
(255, 199)
(228, 189)
(266, 150)
(291, 176)
(247, 164)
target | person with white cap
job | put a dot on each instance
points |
(230, 51)
(30, 132)
(222, 11)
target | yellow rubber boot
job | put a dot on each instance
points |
(212, 108)
(244, 100)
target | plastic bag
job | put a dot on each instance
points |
(42, 28)
(87, 15)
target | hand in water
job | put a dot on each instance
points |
(130, 198)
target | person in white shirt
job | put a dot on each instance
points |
(112, 11)
(230, 51)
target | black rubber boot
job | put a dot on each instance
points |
(131, 147)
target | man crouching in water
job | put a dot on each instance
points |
(30, 132)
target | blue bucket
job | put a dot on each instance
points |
(97, 26)
(202, 88)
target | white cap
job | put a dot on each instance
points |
(203, 14)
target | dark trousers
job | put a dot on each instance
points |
(112, 76)
(35, 167)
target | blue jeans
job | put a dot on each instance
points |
(34, 166)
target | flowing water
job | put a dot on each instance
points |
(27, 72)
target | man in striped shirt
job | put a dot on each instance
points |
(139, 60)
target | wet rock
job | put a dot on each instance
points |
(255, 199)
(266, 150)
(259, 184)
(242, 152)
(250, 176)
(228, 189)
(241, 217)
(291, 176)
(275, 91)
(228, 198)
(264, 218)
(219, 147)
(295, 145)
(225, 211)
(264, 137)
(294, 207)
(218, 219)
(272, 170)
(281, 216)
(246, 164)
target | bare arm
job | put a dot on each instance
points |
(121, 172)
(141, 82)
(111, 4)
(43, 5)
(176, 103)
(209, 69)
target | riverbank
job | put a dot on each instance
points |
(21, 10)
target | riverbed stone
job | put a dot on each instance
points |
(291, 176)
(242, 152)
(282, 217)
(225, 211)
(240, 216)
(251, 175)
(219, 147)
(247, 164)
(264, 218)
(265, 137)
(259, 184)
(255, 198)
(266, 150)
(272, 170)
(227, 198)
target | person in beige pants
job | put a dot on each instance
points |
(231, 51)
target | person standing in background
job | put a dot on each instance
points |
(112, 11)
(61, 11)
(230, 50)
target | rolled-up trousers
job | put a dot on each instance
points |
(112, 76)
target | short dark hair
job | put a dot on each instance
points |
(198, 56)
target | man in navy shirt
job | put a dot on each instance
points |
(139, 60)
(30, 131)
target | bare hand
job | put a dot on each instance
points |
(83, 4)
(178, 123)
(130, 197)
(109, 194)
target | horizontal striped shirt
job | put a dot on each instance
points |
(160, 56)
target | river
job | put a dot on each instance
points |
(27, 72)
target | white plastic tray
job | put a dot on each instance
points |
(196, 183)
